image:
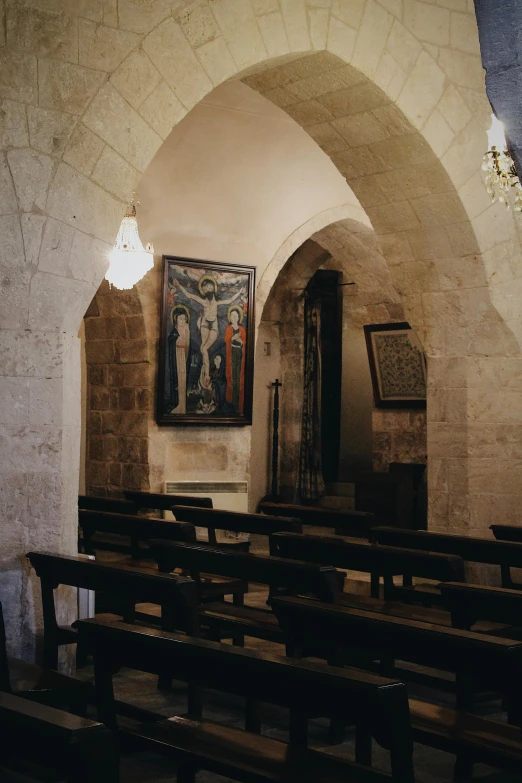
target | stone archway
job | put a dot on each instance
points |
(353, 249)
(81, 123)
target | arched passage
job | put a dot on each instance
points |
(352, 249)
(94, 116)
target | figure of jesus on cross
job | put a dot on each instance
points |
(208, 320)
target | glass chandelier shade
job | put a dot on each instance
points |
(501, 176)
(129, 260)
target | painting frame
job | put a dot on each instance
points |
(216, 393)
(404, 401)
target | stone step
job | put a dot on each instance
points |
(341, 489)
(337, 503)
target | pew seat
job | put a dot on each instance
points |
(247, 756)
(488, 741)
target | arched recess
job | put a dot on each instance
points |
(81, 124)
(119, 393)
(351, 248)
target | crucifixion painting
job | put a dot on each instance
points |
(206, 354)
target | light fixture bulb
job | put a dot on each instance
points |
(129, 260)
(496, 136)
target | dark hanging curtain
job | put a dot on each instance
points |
(310, 484)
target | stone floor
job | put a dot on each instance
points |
(431, 766)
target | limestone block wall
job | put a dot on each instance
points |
(119, 394)
(398, 436)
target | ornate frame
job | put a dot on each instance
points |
(216, 392)
(412, 354)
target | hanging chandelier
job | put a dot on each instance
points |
(501, 175)
(129, 260)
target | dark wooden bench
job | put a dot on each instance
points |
(45, 686)
(113, 505)
(505, 554)
(469, 604)
(283, 576)
(140, 530)
(377, 707)
(352, 523)
(161, 501)
(253, 524)
(42, 743)
(385, 561)
(164, 502)
(478, 661)
(126, 585)
(136, 528)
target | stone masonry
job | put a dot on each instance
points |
(89, 90)
(119, 393)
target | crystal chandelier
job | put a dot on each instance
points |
(129, 260)
(500, 170)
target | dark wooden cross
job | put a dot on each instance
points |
(275, 440)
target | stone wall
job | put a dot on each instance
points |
(398, 436)
(119, 393)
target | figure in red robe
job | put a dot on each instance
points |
(235, 341)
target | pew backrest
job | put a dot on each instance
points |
(353, 522)
(307, 689)
(163, 502)
(287, 575)
(471, 603)
(113, 505)
(128, 583)
(362, 556)
(470, 655)
(5, 682)
(469, 548)
(136, 527)
(83, 751)
(507, 532)
(217, 519)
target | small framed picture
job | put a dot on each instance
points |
(206, 354)
(397, 366)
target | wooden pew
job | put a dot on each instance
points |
(352, 523)
(128, 585)
(378, 561)
(40, 685)
(336, 632)
(138, 529)
(506, 554)
(217, 519)
(161, 501)
(50, 744)
(469, 604)
(283, 576)
(164, 502)
(142, 529)
(112, 505)
(377, 708)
